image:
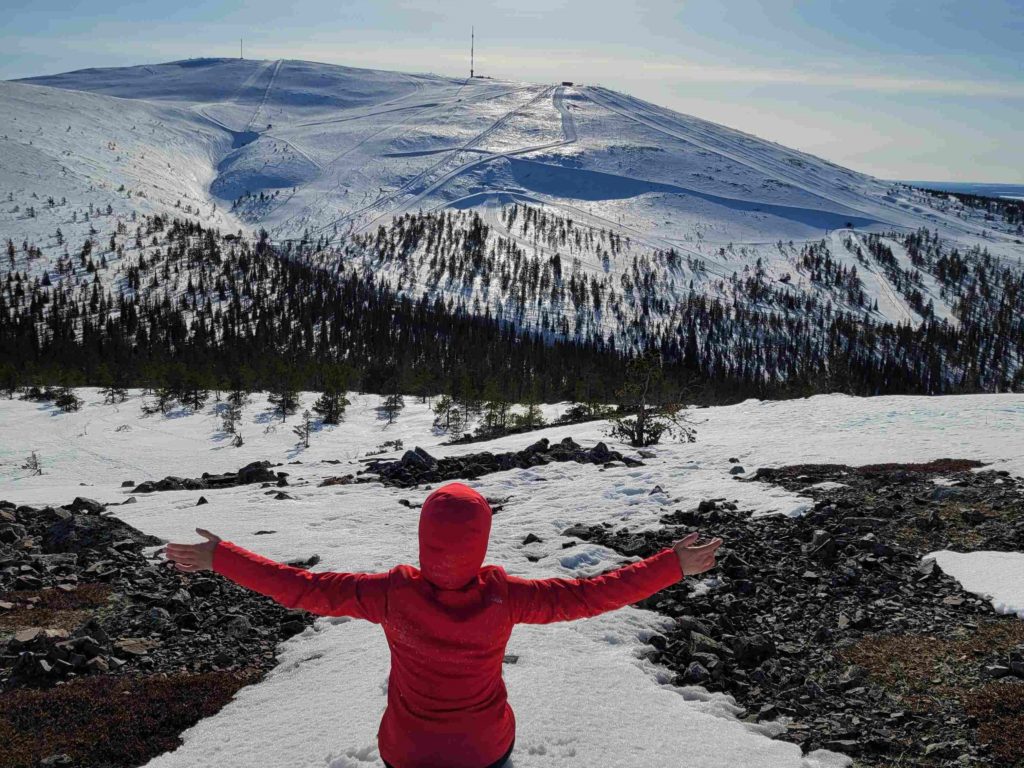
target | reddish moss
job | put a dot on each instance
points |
(55, 607)
(110, 721)
(999, 709)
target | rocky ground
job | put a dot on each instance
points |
(106, 654)
(417, 467)
(832, 623)
(829, 623)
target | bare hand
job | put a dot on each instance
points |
(694, 559)
(191, 558)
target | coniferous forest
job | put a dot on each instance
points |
(197, 309)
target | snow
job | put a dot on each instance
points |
(996, 576)
(582, 692)
(339, 149)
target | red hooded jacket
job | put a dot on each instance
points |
(447, 624)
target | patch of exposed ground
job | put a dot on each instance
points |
(832, 624)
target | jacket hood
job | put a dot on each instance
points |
(455, 524)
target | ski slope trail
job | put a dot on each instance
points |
(643, 114)
(266, 93)
(422, 180)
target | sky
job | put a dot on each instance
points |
(900, 89)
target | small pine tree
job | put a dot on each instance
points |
(640, 423)
(456, 423)
(420, 383)
(67, 400)
(392, 406)
(238, 397)
(532, 417)
(304, 428)
(164, 398)
(231, 414)
(496, 410)
(332, 402)
(33, 464)
(8, 380)
(331, 406)
(284, 394)
(443, 410)
(237, 441)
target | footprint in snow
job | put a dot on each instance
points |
(354, 758)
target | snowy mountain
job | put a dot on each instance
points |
(568, 209)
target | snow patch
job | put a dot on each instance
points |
(996, 576)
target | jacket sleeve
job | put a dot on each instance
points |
(361, 595)
(542, 601)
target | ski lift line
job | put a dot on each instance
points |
(392, 196)
(306, 209)
(266, 93)
(371, 205)
(480, 161)
(443, 105)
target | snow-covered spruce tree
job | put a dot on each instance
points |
(645, 414)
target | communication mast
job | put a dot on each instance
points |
(240, 49)
(472, 45)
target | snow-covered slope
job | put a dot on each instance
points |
(299, 148)
(349, 148)
(583, 693)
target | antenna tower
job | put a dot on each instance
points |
(472, 45)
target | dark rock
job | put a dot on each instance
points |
(235, 626)
(579, 531)
(89, 506)
(417, 467)
(202, 500)
(309, 562)
(696, 674)
(532, 538)
(291, 628)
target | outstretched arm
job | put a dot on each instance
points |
(361, 595)
(542, 601)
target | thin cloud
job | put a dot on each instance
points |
(526, 64)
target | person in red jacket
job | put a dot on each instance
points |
(447, 622)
